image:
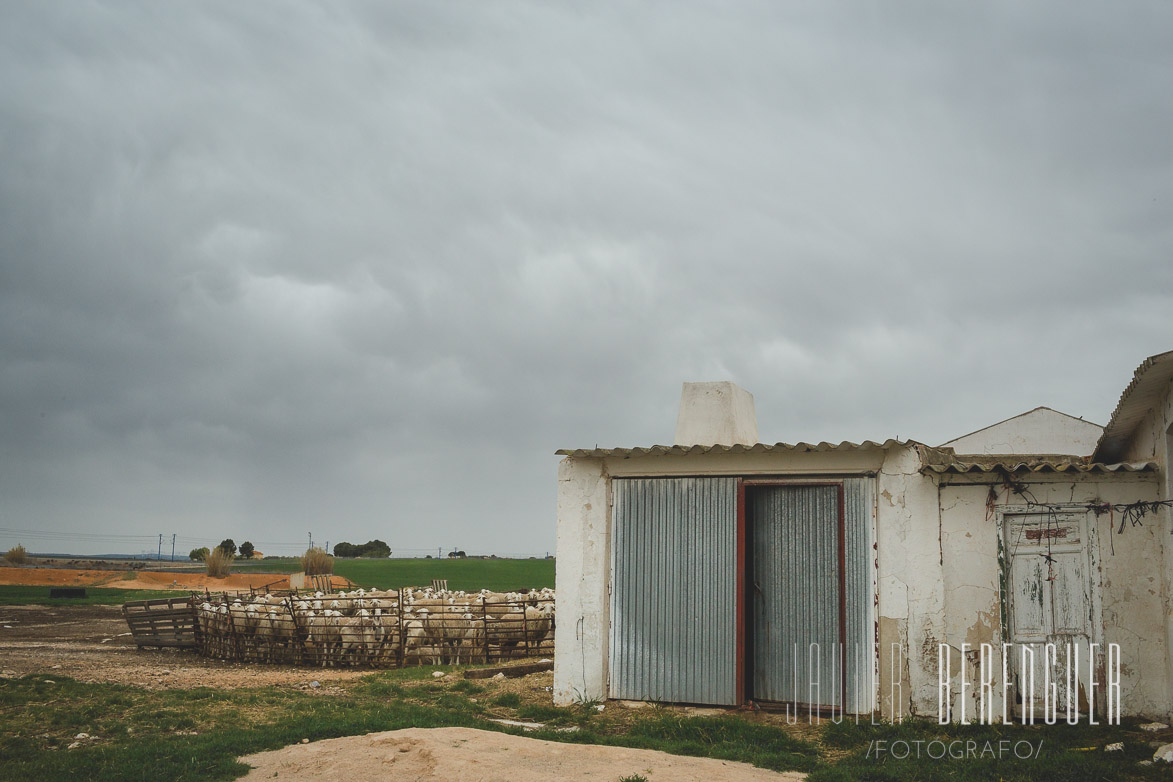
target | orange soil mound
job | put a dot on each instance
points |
(144, 579)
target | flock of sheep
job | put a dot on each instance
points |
(378, 628)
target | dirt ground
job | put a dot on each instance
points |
(482, 756)
(139, 579)
(93, 644)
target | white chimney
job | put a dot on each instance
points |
(719, 413)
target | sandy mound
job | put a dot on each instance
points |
(144, 579)
(483, 756)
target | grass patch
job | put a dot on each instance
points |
(39, 595)
(510, 700)
(197, 734)
(468, 687)
(971, 752)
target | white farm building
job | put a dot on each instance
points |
(844, 577)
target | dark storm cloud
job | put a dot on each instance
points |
(360, 269)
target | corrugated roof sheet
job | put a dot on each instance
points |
(693, 450)
(1149, 382)
(1039, 465)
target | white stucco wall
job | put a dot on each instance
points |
(938, 572)
(720, 413)
(580, 640)
(1041, 430)
(911, 594)
(1153, 440)
(1130, 583)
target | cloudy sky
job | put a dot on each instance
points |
(359, 269)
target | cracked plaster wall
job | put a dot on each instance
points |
(1153, 440)
(580, 641)
(911, 593)
(1131, 590)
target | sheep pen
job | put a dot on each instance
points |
(373, 628)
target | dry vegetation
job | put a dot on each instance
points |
(316, 562)
(218, 562)
(16, 555)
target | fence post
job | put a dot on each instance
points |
(297, 635)
(485, 626)
(525, 626)
(401, 654)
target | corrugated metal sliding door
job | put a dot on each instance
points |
(674, 590)
(808, 595)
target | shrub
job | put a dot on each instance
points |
(376, 549)
(198, 554)
(17, 555)
(218, 562)
(316, 562)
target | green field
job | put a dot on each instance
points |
(39, 595)
(467, 574)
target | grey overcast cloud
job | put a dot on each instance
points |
(359, 269)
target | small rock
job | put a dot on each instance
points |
(82, 736)
(600, 707)
(305, 741)
(1164, 754)
(1145, 763)
(51, 667)
(499, 676)
(315, 684)
(49, 681)
(1117, 747)
(437, 674)
(74, 745)
(164, 672)
(1153, 727)
(472, 700)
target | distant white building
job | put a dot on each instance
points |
(707, 571)
(1039, 431)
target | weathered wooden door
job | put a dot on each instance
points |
(1050, 602)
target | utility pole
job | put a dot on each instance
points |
(327, 547)
(311, 539)
(439, 550)
(172, 546)
(160, 554)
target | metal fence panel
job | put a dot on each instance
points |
(674, 590)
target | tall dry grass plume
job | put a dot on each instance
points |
(316, 562)
(218, 562)
(17, 555)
